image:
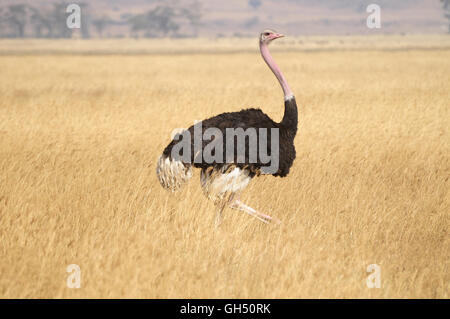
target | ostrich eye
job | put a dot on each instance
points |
(266, 33)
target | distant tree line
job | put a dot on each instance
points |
(164, 19)
(446, 7)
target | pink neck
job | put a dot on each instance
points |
(276, 70)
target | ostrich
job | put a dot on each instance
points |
(222, 182)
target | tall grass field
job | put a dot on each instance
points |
(82, 123)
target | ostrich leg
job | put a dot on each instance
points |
(221, 206)
(218, 218)
(237, 204)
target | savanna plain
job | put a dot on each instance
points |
(82, 123)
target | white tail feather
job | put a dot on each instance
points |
(172, 174)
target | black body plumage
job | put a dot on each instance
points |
(247, 118)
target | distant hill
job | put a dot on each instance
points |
(247, 17)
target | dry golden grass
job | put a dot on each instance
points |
(79, 136)
(219, 45)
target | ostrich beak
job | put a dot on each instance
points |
(278, 35)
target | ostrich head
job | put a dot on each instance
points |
(268, 35)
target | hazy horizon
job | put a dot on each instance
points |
(245, 18)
